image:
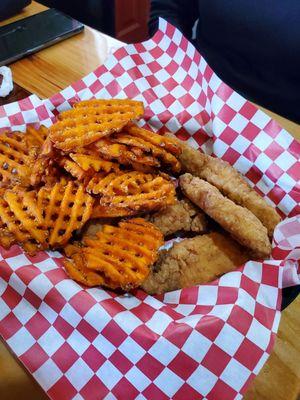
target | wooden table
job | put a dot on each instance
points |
(53, 69)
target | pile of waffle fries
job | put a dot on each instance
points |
(92, 163)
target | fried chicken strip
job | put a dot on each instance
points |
(229, 181)
(195, 261)
(181, 216)
(244, 226)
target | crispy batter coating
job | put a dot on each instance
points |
(229, 181)
(181, 216)
(195, 261)
(244, 226)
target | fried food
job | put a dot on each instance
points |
(121, 255)
(43, 163)
(100, 211)
(126, 183)
(131, 191)
(66, 207)
(15, 159)
(195, 261)
(229, 181)
(94, 163)
(165, 142)
(99, 183)
(109, 106)
(164, 157)
(244, 226)
(92, 120)
(123, 154)
(73, 168)
(154, 194)
(77, 270)
(180, 216)
(22, 220)
(35, 137)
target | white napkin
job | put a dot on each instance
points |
(7, 83)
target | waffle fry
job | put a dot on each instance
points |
(100, 211)
(66, 207)
(77, 270)
(15, 159)
(43, 163)
(90, 162)
(113, 105)
(158, 152)
(100, 182)
(164, 142)
(122, 255)
(74, 169)
(154, 195)
(22, 220)
(91, 120)
(126, 183)
(104, 107)
(35, 137)
(123, 154)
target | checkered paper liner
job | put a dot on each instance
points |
(204, 342)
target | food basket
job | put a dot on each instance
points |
(203, 342)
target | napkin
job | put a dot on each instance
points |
(7, 83)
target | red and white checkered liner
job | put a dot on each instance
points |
(27, 111)
(204, 342)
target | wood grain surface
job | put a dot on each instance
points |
(51, 70)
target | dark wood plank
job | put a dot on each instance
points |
(18, 93)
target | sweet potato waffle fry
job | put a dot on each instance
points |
(163, 156)
(121, 255)
(117, 105)
(123, 154)
(100, 211)
(153, 195)
(35, 137)
(126, 183)
(15, 159)
(73, 168)
(43, 163)
(22, 220)
(66, 208)
(77, 270)
(90, 162)
(90, 121)
(167, 143)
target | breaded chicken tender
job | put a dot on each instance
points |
(229, 181)
(195, 261)
(181, 216)
(244, 226)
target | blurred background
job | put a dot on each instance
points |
(125, 20)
